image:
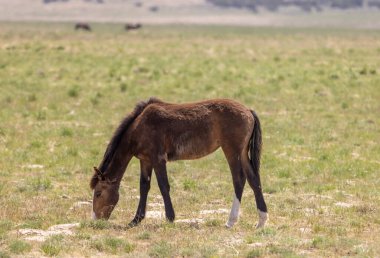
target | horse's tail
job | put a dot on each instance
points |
(255, 151)
(256, 142)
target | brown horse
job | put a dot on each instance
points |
(132, 26)
(157, 132)
(82, 26)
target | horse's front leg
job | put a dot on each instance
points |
(163, 184)
(145, 178)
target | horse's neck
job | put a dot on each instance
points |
(118, 166)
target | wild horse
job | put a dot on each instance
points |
(157, 132)
(82, 26)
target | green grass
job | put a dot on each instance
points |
(96, 224)
(161, 249)
(4, 254)
(52, 246)
(19, 247)
(144, 236)
(316, 92)
(254, 253)
(112, 245)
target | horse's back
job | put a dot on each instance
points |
(197, 110)
(221, 117)
(193, 130)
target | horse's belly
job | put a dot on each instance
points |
(195, 149)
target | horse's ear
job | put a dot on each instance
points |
(98, 176)
(98, 173)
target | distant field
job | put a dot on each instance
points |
(62, 93)
(184, 12)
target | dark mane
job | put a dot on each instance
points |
(118, 135)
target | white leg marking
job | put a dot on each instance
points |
(263, 217)
(234, 215)
(93, 215)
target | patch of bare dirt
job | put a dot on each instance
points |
(40, 235)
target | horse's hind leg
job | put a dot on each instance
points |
(238, 179)
(163, 184)
(254, 181)
(145, 178)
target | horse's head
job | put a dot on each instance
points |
(106, 195)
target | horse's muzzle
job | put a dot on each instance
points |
(93, 215)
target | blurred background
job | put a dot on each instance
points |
(297, 13)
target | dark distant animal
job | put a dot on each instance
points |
(157, 132)
(153, 8)
(132, 26)
(82, 26)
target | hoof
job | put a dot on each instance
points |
(170, 216)
(263, 217)
(229, 225)
(132, 224)
(170, 219)
(231, 222)
(135, 221)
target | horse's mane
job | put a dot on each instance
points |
(119, 133)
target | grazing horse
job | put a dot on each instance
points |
(157, 132)
(132, 26)
(82, 26)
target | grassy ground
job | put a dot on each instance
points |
(317, 93)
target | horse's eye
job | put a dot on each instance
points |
(97, 194)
